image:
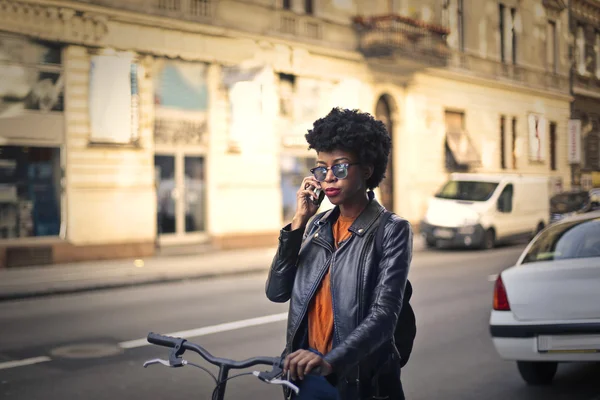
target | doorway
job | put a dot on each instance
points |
(383, 112)
(181, 197)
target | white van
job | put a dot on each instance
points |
(477, 210)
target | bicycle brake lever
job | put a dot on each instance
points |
(277, 381)
(157, 361)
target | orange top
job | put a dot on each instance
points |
(320, 313)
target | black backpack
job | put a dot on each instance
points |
(406, 328)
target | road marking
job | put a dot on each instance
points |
(132, 344)
(22, 363)
(492, 278)
(208, 330)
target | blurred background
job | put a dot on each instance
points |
(161, 141)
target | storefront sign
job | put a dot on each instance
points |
(113, 99)
(181, 102)
(574, 141)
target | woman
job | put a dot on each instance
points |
(344, 299)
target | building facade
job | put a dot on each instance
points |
(133, 125)
(584, 132)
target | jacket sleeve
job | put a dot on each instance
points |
(380, 323)
(283, 269)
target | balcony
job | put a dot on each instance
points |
(396, 36)
(487, 68)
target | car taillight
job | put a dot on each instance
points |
(500, 297)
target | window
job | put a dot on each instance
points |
(551, 48)
(553, 146)
(513, 34)
(467, 190)
(502, 33)
(508, 33)
(597, 51)
(505, 201)
(287, 4)
(565, 241)
(286, 95)
(30, 182)
(502, 142)
(455, 125)
(31, 76)
(514, 143)
(580, 43)
(309, 7)
(460, 17)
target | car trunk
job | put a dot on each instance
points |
(555, 291)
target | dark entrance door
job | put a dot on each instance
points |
(383, 113)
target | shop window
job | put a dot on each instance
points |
(30, 190)
(32, 76)
(293, 170)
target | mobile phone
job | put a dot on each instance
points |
(320, 196)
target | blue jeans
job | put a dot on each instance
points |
(315, 387)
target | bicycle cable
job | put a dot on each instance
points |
(205, 370)
(214, 395)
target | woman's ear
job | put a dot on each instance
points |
(368, 171)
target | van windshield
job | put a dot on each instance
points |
(467, 190)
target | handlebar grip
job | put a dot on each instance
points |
(160, 340)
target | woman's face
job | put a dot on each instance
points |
(350, 182)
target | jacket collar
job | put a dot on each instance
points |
(362, 223)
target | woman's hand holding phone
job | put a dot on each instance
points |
(308, 202)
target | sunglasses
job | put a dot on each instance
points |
(340, 171)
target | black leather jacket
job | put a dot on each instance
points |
(367, 298)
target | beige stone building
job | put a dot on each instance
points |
(130, 126)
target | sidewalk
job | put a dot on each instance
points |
(36, 281)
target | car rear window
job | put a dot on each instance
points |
(568, 240)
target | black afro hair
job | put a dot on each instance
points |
(355, 132)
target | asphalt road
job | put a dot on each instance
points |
(85, 346)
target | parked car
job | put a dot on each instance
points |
(568, 203)
(547, 307)
(478, 210)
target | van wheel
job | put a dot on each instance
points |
(489, 240)
(537, 373)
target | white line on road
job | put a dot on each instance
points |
(22, 363)
(208, 330)
(132, 344)
(492, 278)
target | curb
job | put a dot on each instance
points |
(152, 280)
(5, 297)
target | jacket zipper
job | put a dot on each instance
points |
(335, 331)
(311, 294)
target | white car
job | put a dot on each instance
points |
(547, 307)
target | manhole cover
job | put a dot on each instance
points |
(90, 350)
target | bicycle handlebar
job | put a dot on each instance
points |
(172, 342)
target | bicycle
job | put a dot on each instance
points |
(180, 345)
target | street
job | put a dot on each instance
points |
(453, 356)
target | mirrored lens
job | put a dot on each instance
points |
(320, 173)
(340, 170)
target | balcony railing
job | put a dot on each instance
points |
(180, 9)
(390, 35)
(494, 69)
